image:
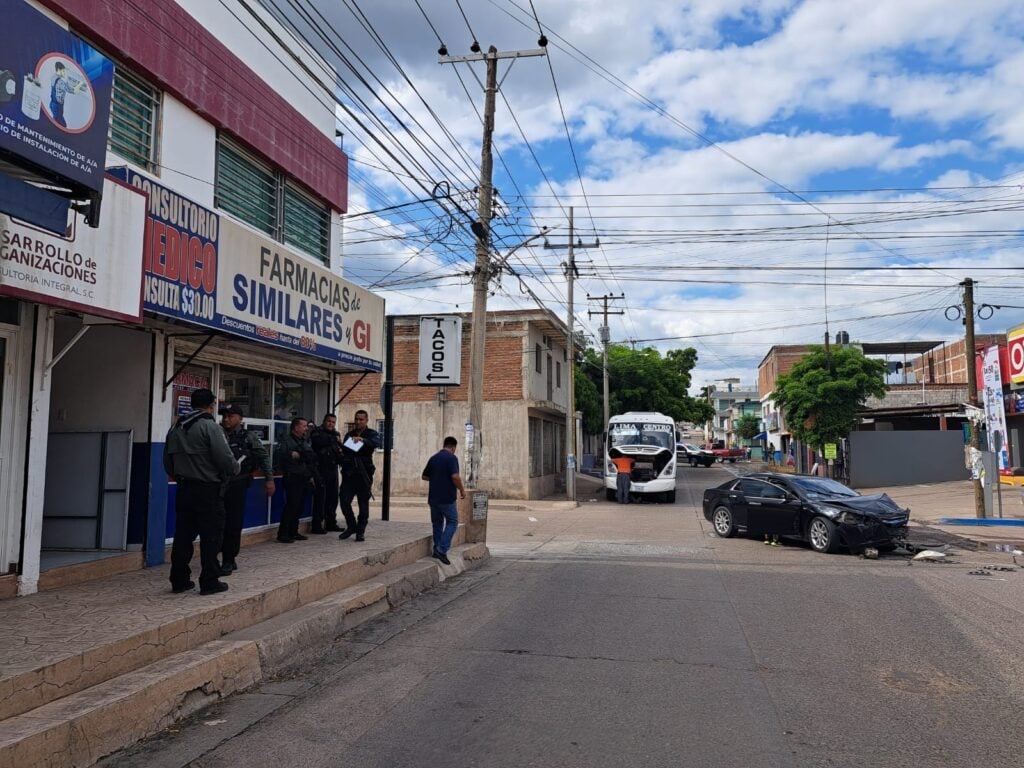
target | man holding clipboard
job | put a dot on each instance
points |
(357, 475)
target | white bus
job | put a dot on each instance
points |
(649, 438)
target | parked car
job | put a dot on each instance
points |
(729, 454)
(823, 512)
(694, 456)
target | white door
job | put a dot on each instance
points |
(7, 515)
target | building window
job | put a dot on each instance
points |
(263, 198)
(536, 447)
(558, 374)
(134, 110)
(537, 364)
(307, 224)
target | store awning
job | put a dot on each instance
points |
(761, 436)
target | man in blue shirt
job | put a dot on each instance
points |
(442, 472)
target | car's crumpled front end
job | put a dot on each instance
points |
(867, 521)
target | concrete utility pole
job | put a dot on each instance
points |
(482, 271)
(972, 388)
(605, 338)
(570, 415)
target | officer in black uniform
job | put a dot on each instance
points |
(250, 451)
(357, 474)
(295, 459)
(326, 444)
(197, 456)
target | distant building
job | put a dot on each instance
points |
(730, 399)
(526, 395)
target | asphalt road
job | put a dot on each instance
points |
(632, 636)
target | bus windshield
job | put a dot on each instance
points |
(640, 433)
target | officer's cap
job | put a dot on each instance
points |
(229, 409)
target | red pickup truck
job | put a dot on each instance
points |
(729, 454)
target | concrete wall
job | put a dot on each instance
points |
(421, 427)
(235, 26)
(905, 458)
(537, 382)
(102, 382)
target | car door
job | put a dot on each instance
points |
(769, 508)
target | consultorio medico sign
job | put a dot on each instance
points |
(206, 269)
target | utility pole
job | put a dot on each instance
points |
(482, 271)
(570, 415)
(605, 338)
(972, 391)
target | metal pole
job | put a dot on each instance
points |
(481, 277)
(972, 388)
(389, 424)
(570, 425)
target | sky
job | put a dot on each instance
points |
(743, 174)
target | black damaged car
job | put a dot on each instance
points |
(823, 512)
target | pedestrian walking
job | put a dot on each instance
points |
(249, 451)
(197, 456)
(442, 474)
(326, 442)
(624, 465)
(295, 458)
(357, 474)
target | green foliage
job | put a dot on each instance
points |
(821, 395)
(639, 380)
(747, 425)
(588, 391)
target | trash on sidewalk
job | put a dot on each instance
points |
(532, 519)
(870, 553)
(929, 554)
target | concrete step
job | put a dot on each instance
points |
(70, 640)
(83, 727)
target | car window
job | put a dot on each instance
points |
(822, 488)
(760, 489)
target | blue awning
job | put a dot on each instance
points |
(761, 436)
(34, 205)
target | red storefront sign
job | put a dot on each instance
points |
(1015, 354)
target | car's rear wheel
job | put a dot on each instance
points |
(723, 523)
(821, 534)
(609, 494)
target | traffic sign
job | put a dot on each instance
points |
(440, 351)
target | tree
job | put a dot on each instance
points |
(822, 393)
(747, 426)
(638, 380)
(588, 391)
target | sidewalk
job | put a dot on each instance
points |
(932, 502)
(90, 668)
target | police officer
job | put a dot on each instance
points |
(295, 458)
(357, 474)
(326, 444)
(247, 448)
(197, 456)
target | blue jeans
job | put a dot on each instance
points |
(445, 519)
(622, 481)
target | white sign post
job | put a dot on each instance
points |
(440, 351)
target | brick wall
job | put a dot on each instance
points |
(948, 364)
(504, 357)
(779, 360)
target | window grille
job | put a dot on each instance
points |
(307, 224)
(265, 199)
(134, 110)
(246, 189)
